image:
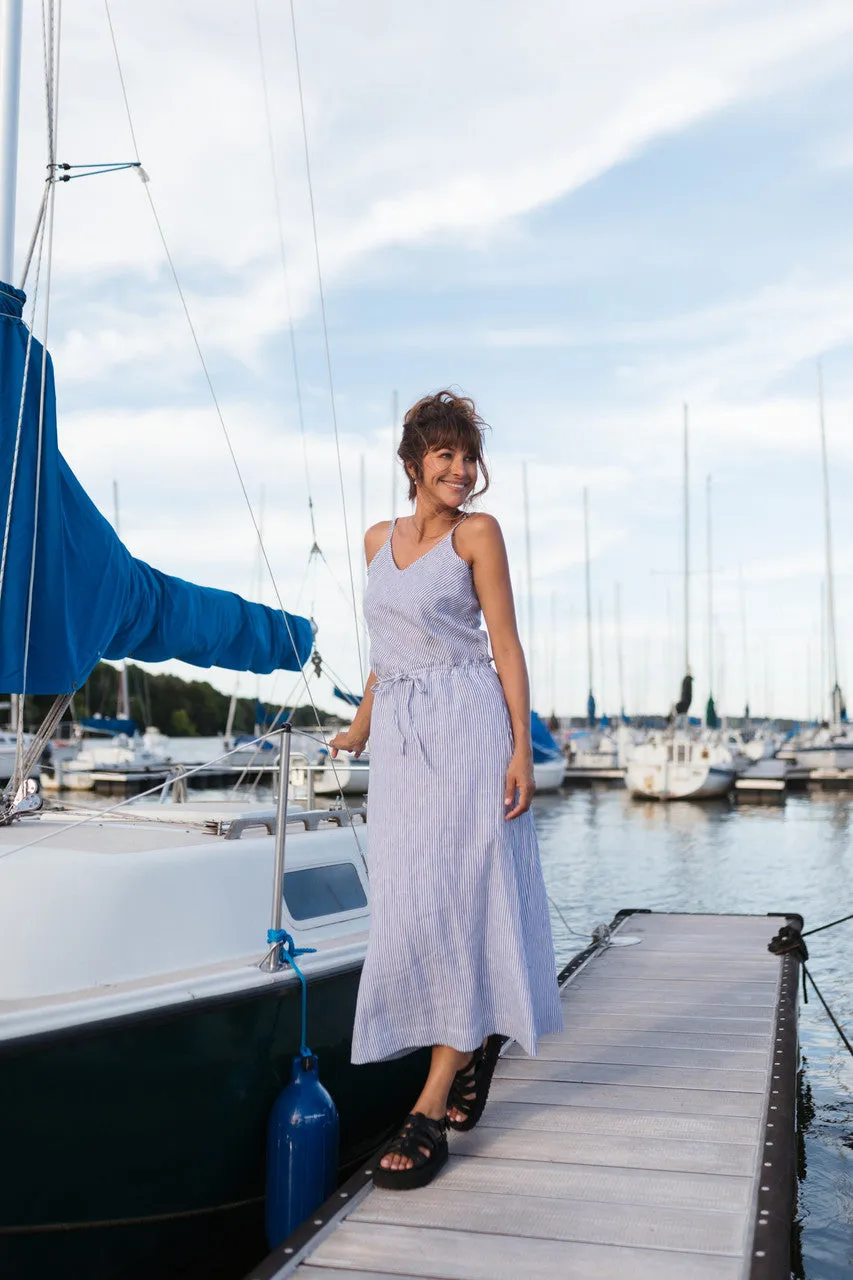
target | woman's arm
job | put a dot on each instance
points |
(354, 738)
(480, 542)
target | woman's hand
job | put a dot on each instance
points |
(520, 784)
(352, 739)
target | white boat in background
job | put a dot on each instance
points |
(321, 776)
(593, 749)
(8, 746)
(549, 774)
(827, 749)
(763, 745)
(95, 758)
(674, 766)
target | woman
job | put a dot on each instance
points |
(460, 953)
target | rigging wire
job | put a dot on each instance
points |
(297, 381)
(209, 381)
(53, 117)
(820, 928)
(806, 975)
(326, 344)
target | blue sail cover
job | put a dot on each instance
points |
(91, 598)
(545, 747)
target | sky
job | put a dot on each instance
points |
(585, 217)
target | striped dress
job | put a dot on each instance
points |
(460, 938)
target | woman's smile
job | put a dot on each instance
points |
(453, 472)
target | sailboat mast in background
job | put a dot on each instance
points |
(395, 462)
(529, 563)
(123, 711)
(686, 548)
(590, 702)
(619, 657)
(831, 638)
(365, 663)
(710, 710)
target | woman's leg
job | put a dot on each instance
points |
(433, 1098)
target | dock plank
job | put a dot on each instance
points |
(456, 1255)
(634, 1073)
(607, 1120)
(533, 1177)
(565, 1049)
(553, 1218)
(602, 1150)
(629, 1098)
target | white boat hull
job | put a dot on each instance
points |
(350, 776)
(549, 775)
(830, 756)
(671, 781)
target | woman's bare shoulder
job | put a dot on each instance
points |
(375, 536)
(476, 534)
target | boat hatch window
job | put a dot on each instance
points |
(681, 755)
(669, 753)
(323, 891)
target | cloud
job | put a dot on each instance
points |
(422, 122)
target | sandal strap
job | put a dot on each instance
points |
(418, 1131)
(464, 1083)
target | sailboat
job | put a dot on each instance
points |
(672, 764)
(146, 1026)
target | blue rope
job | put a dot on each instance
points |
(287, 955)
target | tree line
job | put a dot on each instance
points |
(179, 708)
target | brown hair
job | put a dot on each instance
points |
(438, 422)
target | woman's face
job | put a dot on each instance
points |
(450, 474)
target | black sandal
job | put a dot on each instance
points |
(418, 1132)
(469, 1092)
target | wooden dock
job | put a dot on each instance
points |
(654, 1138)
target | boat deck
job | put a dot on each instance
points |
(654, 1138)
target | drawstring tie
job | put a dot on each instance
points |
(406, 731)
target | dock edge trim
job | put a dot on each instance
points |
(772, 1227)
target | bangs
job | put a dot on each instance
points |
(451, 435)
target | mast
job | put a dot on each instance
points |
(553, 653)
(686, 549)
(619, 661)
(831, 640)
(601, 664)
(744, 645)
(363, 495)
(590, 700)
(395, 411)
(124, 690)
(11, 12)
(10, 93)
(710, 592)
(529, 563)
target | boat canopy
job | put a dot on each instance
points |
(91, 598)
(109, 724)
